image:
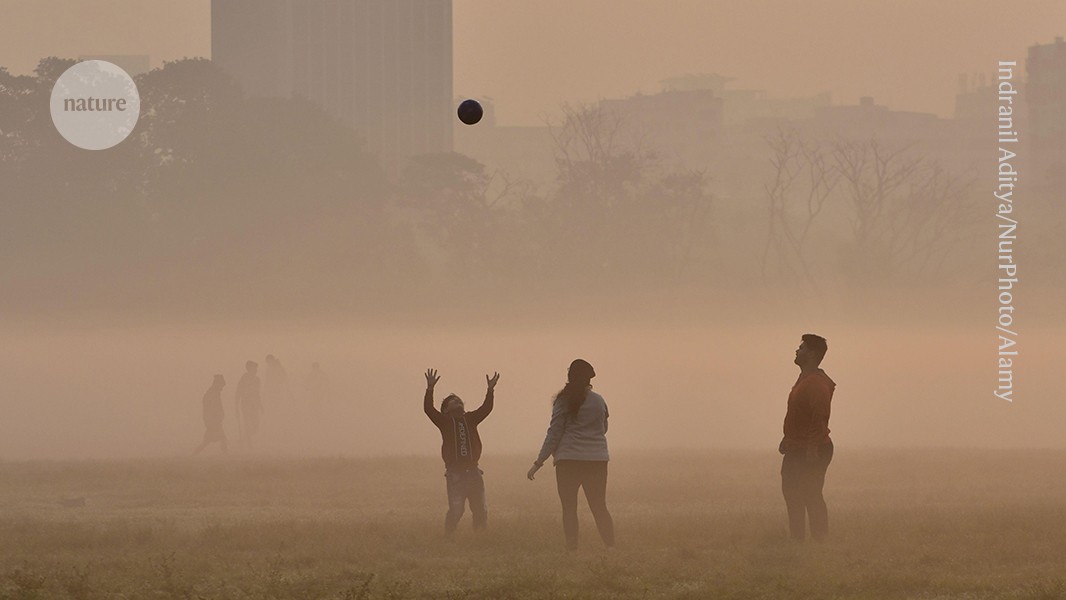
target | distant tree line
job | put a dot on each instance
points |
(271, 204)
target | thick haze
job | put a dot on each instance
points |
(241, 228)
(693, 379)
(530, 56)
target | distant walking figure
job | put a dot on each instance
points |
(806, 445)
(213, 415)
(461, 450)
(249, 404)
(577, 438)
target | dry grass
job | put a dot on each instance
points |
(927, 524)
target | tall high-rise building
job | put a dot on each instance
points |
(384, 67)
(1046, 101)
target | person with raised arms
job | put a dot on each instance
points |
(461, 451)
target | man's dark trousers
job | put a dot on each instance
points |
(802, 480)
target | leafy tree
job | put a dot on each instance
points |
(260, 200)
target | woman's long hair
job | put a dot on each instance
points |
(579, 379)
(573, 394)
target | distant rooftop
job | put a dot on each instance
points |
(701, 81)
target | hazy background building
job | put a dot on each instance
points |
(975, 98)
(384, 67)
(1046, 93)
(683, 124)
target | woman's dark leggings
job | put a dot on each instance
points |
(592, 476)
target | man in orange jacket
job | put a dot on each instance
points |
(806, 446)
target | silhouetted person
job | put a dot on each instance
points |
(249, 404)
(317, 384)
(461, 450)
(275, 383)
(213, 415)
(577, 438)
(806, 445)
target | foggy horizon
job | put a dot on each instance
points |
(718, 387)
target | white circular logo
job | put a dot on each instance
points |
(95, 105)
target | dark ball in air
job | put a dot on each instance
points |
(470, 112)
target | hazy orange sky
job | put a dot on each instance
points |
(531, 55)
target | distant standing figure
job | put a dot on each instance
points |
(275, 383)
(577, 438)
(317, 384)
(461, 450)
(213, 415)
(249, 404)
(806, 446)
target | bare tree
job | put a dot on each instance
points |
(905, 209)
(796, 194)
(686, 204)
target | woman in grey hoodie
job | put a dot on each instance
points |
(577, 439)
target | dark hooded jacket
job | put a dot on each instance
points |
(460, 443)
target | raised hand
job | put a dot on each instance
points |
(431, 378)
(491, 382)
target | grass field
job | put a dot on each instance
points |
(931, 524)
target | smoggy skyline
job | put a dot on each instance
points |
(530, 57)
